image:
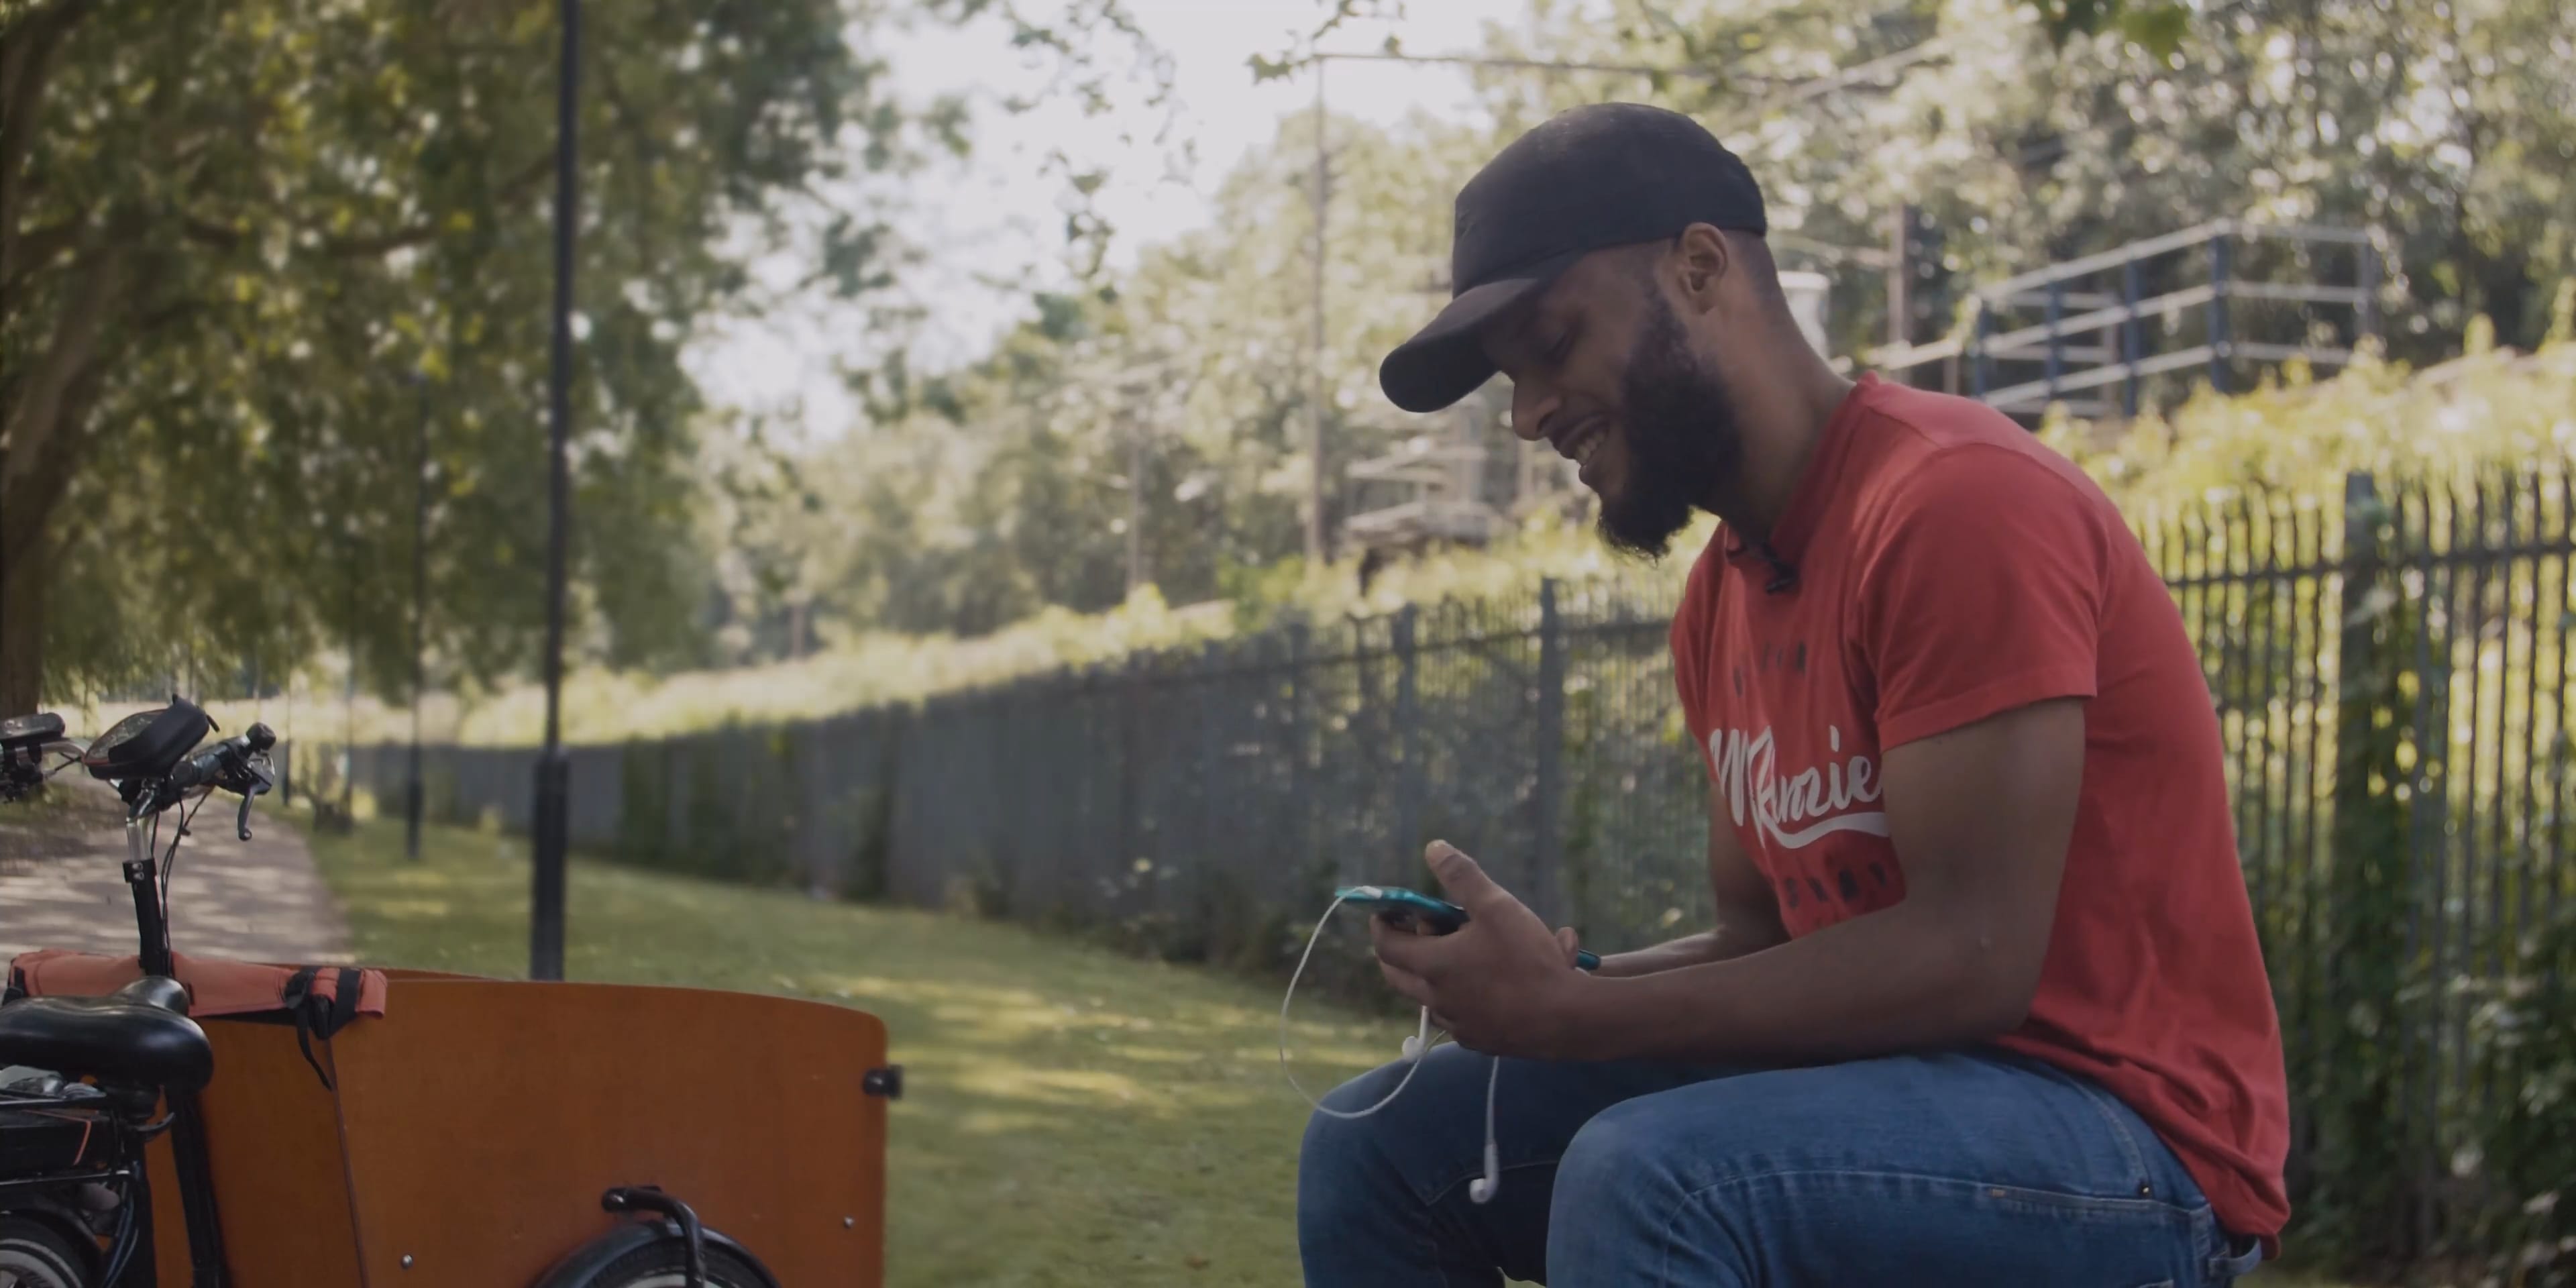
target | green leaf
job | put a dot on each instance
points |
(2157, 28)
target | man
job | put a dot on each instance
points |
(1984, 1003)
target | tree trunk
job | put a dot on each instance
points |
(22, 625)
(46, 423)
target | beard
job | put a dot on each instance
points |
(1682, 437)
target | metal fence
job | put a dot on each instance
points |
(2391, 669)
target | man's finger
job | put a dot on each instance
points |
(1419, 955)
(1406, 983)
(1460, 878)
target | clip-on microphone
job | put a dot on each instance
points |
(1784, 575)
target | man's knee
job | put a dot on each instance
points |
(1343, 1155)
(1625, 1184)
(1615, 1168)
(1336, 1146)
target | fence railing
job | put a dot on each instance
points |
(2391, 669)
(2111, 322)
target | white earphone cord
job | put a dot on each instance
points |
(1415, 1048)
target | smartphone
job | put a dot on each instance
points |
(1411, 909)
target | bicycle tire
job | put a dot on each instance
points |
(36, 1255)
(665, 1265)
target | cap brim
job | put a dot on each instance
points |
(1445, 360)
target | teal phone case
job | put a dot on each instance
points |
(1443, 915)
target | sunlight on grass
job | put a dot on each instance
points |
(1071, 1116)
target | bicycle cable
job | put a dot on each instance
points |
(170, 861)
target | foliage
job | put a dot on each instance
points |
(2028, 141)
(252, 252)
(2353, 1087)
(2489, 408)
(265, 243)
(2298, 436)
(1179, 397)
(2157, 27)
(2524, 1031)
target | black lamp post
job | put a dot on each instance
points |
(419, 608)
(546, 897)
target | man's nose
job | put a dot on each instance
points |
(1530, 410)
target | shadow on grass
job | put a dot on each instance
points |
(1072, 1117)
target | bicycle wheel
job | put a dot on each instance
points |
(665, 1265)
(35, 1255)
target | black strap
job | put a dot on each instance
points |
(17, 987)
(307, 1010)
(344, 1002)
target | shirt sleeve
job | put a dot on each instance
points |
(1986, 593)
(1690, 643)
(1685, 639)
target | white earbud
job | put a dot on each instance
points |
(1483, 1188)
(1413, 1046)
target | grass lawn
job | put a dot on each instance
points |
(1070, 1116)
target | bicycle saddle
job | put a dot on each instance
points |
(140, 1035)
(41, 727)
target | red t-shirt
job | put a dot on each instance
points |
(1950, 567)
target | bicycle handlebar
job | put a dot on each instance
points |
(237, 764)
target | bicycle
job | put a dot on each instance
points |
(107, 1095)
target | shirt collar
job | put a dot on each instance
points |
(1815, 486)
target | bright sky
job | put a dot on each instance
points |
(1000, 210)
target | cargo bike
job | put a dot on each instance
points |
(166, 1120)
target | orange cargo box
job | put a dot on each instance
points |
(469, 1133)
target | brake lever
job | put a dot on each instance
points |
(255, 770)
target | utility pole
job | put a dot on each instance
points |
(546, 892)
(419, 609)
(349, 704)
(1900, 276)
(1135, 503)
(1318, 542)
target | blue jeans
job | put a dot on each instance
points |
(1980, 1168)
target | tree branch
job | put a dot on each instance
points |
(37, 249)
(372, 244)
(35, 415)
(26, 57)
(207, 232)
(625, 112)
(28, 499)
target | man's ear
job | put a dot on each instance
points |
(1704, 261)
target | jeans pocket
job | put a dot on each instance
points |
(2231, 1264)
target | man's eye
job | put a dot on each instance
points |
(1564, 345)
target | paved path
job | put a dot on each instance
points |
(62, 886)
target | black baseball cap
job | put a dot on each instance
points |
(1610, 174)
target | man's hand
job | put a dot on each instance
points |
(1500, 985)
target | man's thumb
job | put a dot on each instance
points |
(1458, 875)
